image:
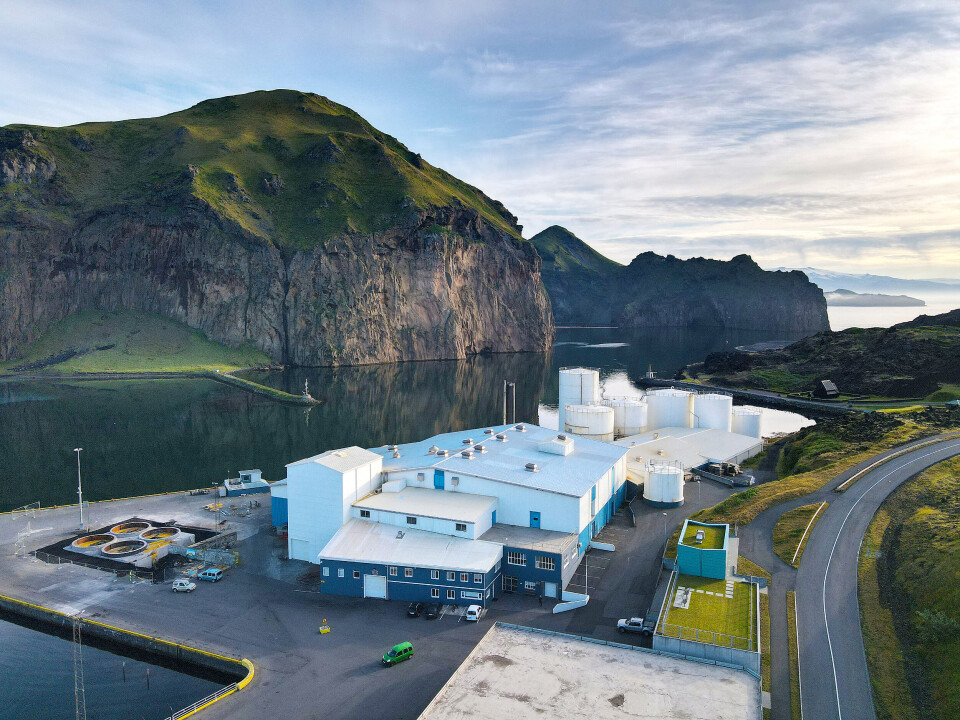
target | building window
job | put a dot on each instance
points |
(471, 595)
(464, 577)
(461, 527)
(434, 574)
(364, 513)
(420, 477)
(411, 520)
(339, 572)
(435, 592)
(545, 562)
(516, 558)
(393, 571)
(451, 594)
(477, 578)
(451, 576)
(356, 574)
(326, 572)
(509, 583)
(408, 572)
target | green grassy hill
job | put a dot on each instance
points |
(128, 342)
(290, 166)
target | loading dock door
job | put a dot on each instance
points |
(550, 590)
(375, 586)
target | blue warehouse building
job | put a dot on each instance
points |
(456, 518)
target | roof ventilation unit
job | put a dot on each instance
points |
(561, 438)
(468, 441)
(519, 428)
(501, 437)
(488, 431)
(480, 448)
(468, 454)
(393, 448)
(396, 454)
(433, 450)
(441, 453)
(532, 467)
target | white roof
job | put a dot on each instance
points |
(428, 502)
(690, 446)
(363, 541)
(340, 460)
(572, 474)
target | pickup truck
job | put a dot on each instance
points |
(637, 625)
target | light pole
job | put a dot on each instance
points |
(698, 493)
(79, 485)
(664, 532)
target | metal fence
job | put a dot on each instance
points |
(705, 636)
(212, 698)
(133, 570)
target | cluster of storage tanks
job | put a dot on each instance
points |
(584, 411)
(136, 542)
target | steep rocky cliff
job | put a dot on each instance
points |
(276, 219)
(657, 291)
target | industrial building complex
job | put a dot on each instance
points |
(461, 517)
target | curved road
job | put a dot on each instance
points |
(833, 669)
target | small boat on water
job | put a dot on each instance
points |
(249, 482)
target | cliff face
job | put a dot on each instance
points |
(276, 219)
(657, 291)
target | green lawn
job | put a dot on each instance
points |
(126, 342)
(712, 540)
(791, 528)
(713, 619)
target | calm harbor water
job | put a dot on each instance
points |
(36, 681)
(144, 437)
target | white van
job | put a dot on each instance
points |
(473, 613)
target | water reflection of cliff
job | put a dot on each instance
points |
(153, 436)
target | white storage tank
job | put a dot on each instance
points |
(664, 485)
(629, 416)
(578, 386)
(669, 407)
(748, 421)
(590, 421)
(713, 411)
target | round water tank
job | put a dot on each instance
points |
(160, 533)
(124, 548)
(590, 421)
(664, 486)
(747, 421)
(89, 543)
(712, 411)
(130, 528)
(629, 416)
(578, 386)
(669, 408)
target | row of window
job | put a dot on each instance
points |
(411, 520)
(452, 594)
(408, 572)
(542, 562)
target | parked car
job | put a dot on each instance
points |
(183, 585)
(636, 625)
(211, 575)
(473, 613)
(398, 653)
(414, 609)
(432, 610)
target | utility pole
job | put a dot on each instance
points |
(79, 485)
(664, 533)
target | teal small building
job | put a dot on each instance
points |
(702, 550)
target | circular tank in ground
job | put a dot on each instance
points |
(92, 542)
(669, 408)
(130, 528)
(629, 416)
(664, 486)
(713, 411)
(747, 421)
(160, 533)
(590, 421)
(578, 386)
(124, 548)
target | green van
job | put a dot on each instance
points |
(398, 653)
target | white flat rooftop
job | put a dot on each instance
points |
(428, 502)
(341, 460)
(690, 446)
(363, 541)
(520, 674)
(530, 538)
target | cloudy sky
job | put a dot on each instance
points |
(802, 133)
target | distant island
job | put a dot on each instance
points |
(849, 298)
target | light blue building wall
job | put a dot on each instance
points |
(699, 561)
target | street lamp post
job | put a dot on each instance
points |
(664, 532)
(79, 485)
(698, 493)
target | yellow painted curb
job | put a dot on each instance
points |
(250, 673)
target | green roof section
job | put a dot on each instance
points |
(714, 536)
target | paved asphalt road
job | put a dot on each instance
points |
(833, 670)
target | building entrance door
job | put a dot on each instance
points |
(375, 586)
(438, 479)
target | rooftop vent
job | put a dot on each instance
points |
(396, 454)
(468, 454)
(488, 431)
(519, 428)
(532, 467)
(393, 448)
(501, 437)
(468, 441)
(340, 453)
(441, 453)
(561, 437)
(480, 448)
(433, 450)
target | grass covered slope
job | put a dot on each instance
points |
(917, 359)
(792, 531)
(128, 342)
(292, 167)
(915, 587)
